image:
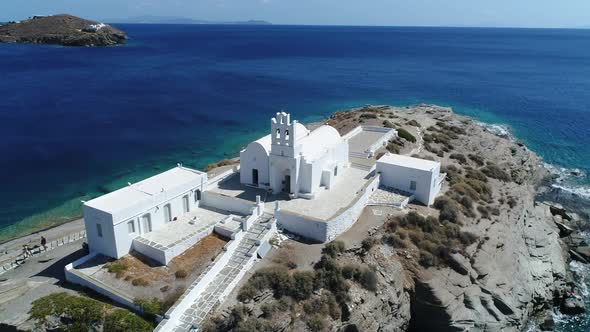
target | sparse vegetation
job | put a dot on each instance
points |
(79, 313)
(494, 171)
(334, 248)
(406, 135)
(224, 162)
(435, 240)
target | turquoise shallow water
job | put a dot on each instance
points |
(79, 122)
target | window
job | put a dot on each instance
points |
(336, 171)
(99, 230)
(278, 133)
(185, 204)
(131, 226)
(197, 195)
(167, 213)
(287, 134)
(412, 185)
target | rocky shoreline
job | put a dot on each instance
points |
(63, 29)
(514, 275)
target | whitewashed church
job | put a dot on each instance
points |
(294, 160)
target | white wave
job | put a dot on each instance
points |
(496, 129)
(566, 178)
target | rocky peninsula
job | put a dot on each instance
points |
(63, 29)
(487, 256)
(491, 254)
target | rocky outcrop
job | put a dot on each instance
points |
(66, 30)
(389, 309)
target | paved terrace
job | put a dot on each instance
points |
(187, 225)
(327, 203)
(360, 142)
(324, 206)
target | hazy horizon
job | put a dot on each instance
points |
(418, 13)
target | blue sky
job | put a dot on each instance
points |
(499, 13)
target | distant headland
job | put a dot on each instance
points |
(63, 29)
(149, 19)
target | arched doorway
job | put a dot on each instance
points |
(287, 182)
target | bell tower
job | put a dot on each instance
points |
(282, 133)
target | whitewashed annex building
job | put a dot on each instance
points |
(293, 160)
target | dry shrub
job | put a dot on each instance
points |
(140, 282)
(181, 274)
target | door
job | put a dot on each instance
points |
(255, 177)
(146, 223)
(287, 187)
(185, 205)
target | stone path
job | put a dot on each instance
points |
(193, 317)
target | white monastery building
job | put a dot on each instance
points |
(293, 160)
(114, 220)
(420, 177)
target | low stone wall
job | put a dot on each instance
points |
(306, 226)
(326, 230)
(81, 279)
(227, 203)
(345, 219)
(13, 262)
(389, 134)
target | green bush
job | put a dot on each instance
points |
(153, 306)
(117, 267)
(459, 157)
(368, 279)
(334, 248)
(368, 116)
(124, 321)
(494, 171)
(406, 135)
(368, 243)
(477, 159)
(414, 123)
(316, 323)
(388, 124)
(80, 313)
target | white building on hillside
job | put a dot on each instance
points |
(416, 176)
(114, 220)
(294, 160)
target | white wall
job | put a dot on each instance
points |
(399, 177)
(326, 230)
(308, 227)
(106, 244)
(342, 222)
(117, 241)
(227, 203)
(254, 157)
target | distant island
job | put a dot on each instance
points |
(63, 29)
(149, 19)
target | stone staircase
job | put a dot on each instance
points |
(224, 281)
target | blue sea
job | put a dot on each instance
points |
(79, 122)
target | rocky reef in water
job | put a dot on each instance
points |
(63, 29)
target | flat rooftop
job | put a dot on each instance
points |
(146, 189)
(408, 162)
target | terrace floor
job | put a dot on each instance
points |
(327, 203)
(185, 226)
